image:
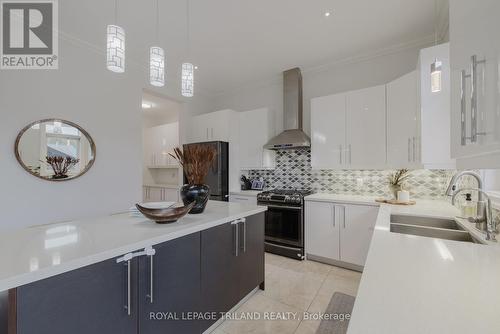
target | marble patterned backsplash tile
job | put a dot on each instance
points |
(293, 171)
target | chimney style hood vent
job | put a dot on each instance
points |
(293, 136)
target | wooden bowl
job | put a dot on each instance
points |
(165, 215)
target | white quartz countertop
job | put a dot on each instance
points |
(35, 253)
(245, 192)
(414, 284)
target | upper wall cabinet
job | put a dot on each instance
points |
(418, 120)
(348, 130)
(256, 129)
(402, 125)
(214, 126)
(434, 112)
(366, 128)
(328, 132)
(475, 86)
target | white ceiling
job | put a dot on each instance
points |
(235, 42)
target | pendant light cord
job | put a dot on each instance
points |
(435, 23)
(116, 12)
(188, 24)
(157, 21)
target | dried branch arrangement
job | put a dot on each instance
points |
(397, 178)
(61, 165)
(196, 161)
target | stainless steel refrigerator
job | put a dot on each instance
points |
(218, 175)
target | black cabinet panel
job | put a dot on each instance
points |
(251, 257)
(87, 300)
(176, 287)
(219, 290)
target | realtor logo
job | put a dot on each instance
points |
(29, 34)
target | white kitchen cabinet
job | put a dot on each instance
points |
(328, 132)
(159, 141)
(244, 199)
(356, 231)
(152, 194)
(366, 128)
(160, 194)
(402, 127)
(214, 126)
(475, 95)
(339, 233)
(256, 129)
(433, 144)
(322, 230)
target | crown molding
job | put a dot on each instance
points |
(276, 79)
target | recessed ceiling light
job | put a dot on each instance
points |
(327, 14)
(147, 105)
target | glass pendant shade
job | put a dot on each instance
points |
(115, 49)
(436, 80)
(187, 80)
(156, 66)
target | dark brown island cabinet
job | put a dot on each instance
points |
(185, 287)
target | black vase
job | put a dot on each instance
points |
(198, 193)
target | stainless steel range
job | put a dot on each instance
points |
(284, 221)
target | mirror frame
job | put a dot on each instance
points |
(85, 133)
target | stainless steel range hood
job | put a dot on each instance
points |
(293, 136)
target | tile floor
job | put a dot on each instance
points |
(293, 286)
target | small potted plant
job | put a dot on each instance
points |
(397, 180)
(196, 160)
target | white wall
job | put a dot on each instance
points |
(106, 104)
(327, 80)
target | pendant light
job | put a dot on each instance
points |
(436, 66)
(157, 57)
(187, 76)
(115, 47)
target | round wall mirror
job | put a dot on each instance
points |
(55, 150)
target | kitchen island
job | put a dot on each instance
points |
(124, 274)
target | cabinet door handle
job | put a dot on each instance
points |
(212, 133)
(343, 215)
(340, 154)
(334, 215)
(128, 306)
(463, 108)
(409, 149)
(350, 154)
(207, 133)
(236, 238)
(473, 98)
(244, 243)
(414, 150)
(151, 279)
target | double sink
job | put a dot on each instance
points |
(431, 227)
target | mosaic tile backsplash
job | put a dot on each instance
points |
(293, 171)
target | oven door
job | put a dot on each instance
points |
(284, 225)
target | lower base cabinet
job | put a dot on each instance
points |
(339, 232)
(208, 271)
(232, 264)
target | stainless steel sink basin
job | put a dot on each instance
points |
(426, 222)
(431, 232)
(430, 227)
